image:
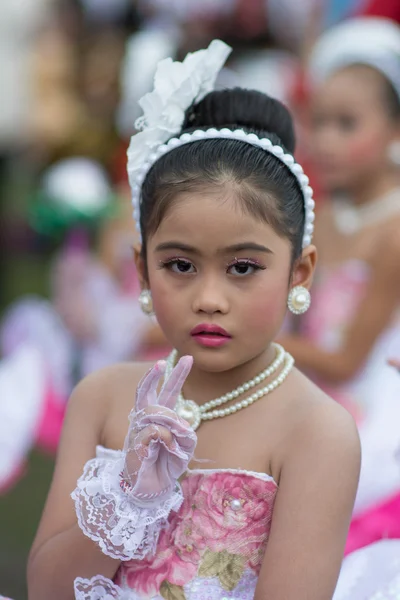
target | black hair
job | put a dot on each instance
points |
(264, 186)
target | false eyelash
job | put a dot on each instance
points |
(170, 261)
(246, 261)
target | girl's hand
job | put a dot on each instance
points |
(159, 444)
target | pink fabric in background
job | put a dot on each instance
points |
(51, 421)
(382, 521)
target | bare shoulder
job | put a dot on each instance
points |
(112, 392)
(318, 421)
(106, 392)
(105, 385)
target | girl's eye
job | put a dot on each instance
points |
(347, 123)
(318, 121)
(179, 265)
(243, 267)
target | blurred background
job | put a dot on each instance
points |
(71, 73)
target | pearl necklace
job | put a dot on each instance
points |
(274, 366)
(194, 414)
(350, 219)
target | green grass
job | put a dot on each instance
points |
(24, 275)
(20, 512)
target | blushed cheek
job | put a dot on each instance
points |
(266, 311)
(364, 149)
(162, 306)
(166, 304)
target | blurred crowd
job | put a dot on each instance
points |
(71, 73)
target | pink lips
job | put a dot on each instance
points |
(210, 336)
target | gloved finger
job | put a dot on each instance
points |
(139, 447)
(150, 433)
(173, 385)
(146, 394)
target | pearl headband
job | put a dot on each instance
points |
(177, 86)
(249, 138)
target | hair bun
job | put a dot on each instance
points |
(250, 109)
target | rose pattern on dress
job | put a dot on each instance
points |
(221, 530)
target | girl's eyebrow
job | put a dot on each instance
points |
(176, 245)
(247, 246)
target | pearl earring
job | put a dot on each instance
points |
(146, 302)
(393, 153)
(299, 300)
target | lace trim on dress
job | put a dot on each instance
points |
(103, 452)
(110, 517)
(209, 588)
(99, 588)
(256, 474)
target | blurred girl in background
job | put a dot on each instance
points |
(353, 326)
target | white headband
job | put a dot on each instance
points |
(177, 86)
(369, 41)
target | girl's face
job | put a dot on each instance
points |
(219, 280)
(351, 128)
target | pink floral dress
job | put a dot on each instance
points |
(212, 547)
(216, 540)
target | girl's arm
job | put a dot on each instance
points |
(61, 551)
(122, 501)
(313, 508)
(375, 313)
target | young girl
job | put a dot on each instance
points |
(235, 494)
(354, 326)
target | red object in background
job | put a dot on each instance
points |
(381, 8)
(119, 173)
(250, 18)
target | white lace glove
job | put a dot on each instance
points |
(123, 504)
